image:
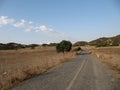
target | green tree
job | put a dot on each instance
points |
(58, 48)
(64, 46)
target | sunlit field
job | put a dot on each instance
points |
(110, 56)
(18, 65)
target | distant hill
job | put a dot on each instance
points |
(106, 41)
(80, 43)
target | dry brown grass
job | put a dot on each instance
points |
(18, 65)
(110, 56)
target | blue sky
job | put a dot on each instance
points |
(43, 21)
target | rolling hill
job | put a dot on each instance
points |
(100, 42)
(106, 41)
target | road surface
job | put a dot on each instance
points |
(81, 73)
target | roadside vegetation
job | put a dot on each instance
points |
(109, 56)
(77, 50)
(64, 46)
(24, 63)
(19, 62)
(107, 49)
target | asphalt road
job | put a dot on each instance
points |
(81, 73)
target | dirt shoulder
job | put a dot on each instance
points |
(109, 56)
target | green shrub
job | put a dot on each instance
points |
(64, 46)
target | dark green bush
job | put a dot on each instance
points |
(64, 46)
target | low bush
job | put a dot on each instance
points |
(77, 49)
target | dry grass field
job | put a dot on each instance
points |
(110, 56)
(18, 65)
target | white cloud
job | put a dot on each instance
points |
(20, 24)
(4, 20)
(43, 28)
(30, 22)
(51, 30)
(29, 28)
(37, 29)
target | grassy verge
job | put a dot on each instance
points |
(110, 56)
(19, 65)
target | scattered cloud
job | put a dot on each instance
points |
(43, 28)
(28, 26)
(4, 20)
(20, 24)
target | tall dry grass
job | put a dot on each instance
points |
(19, 65)
(110, 56)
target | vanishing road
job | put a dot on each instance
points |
(81, 73)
